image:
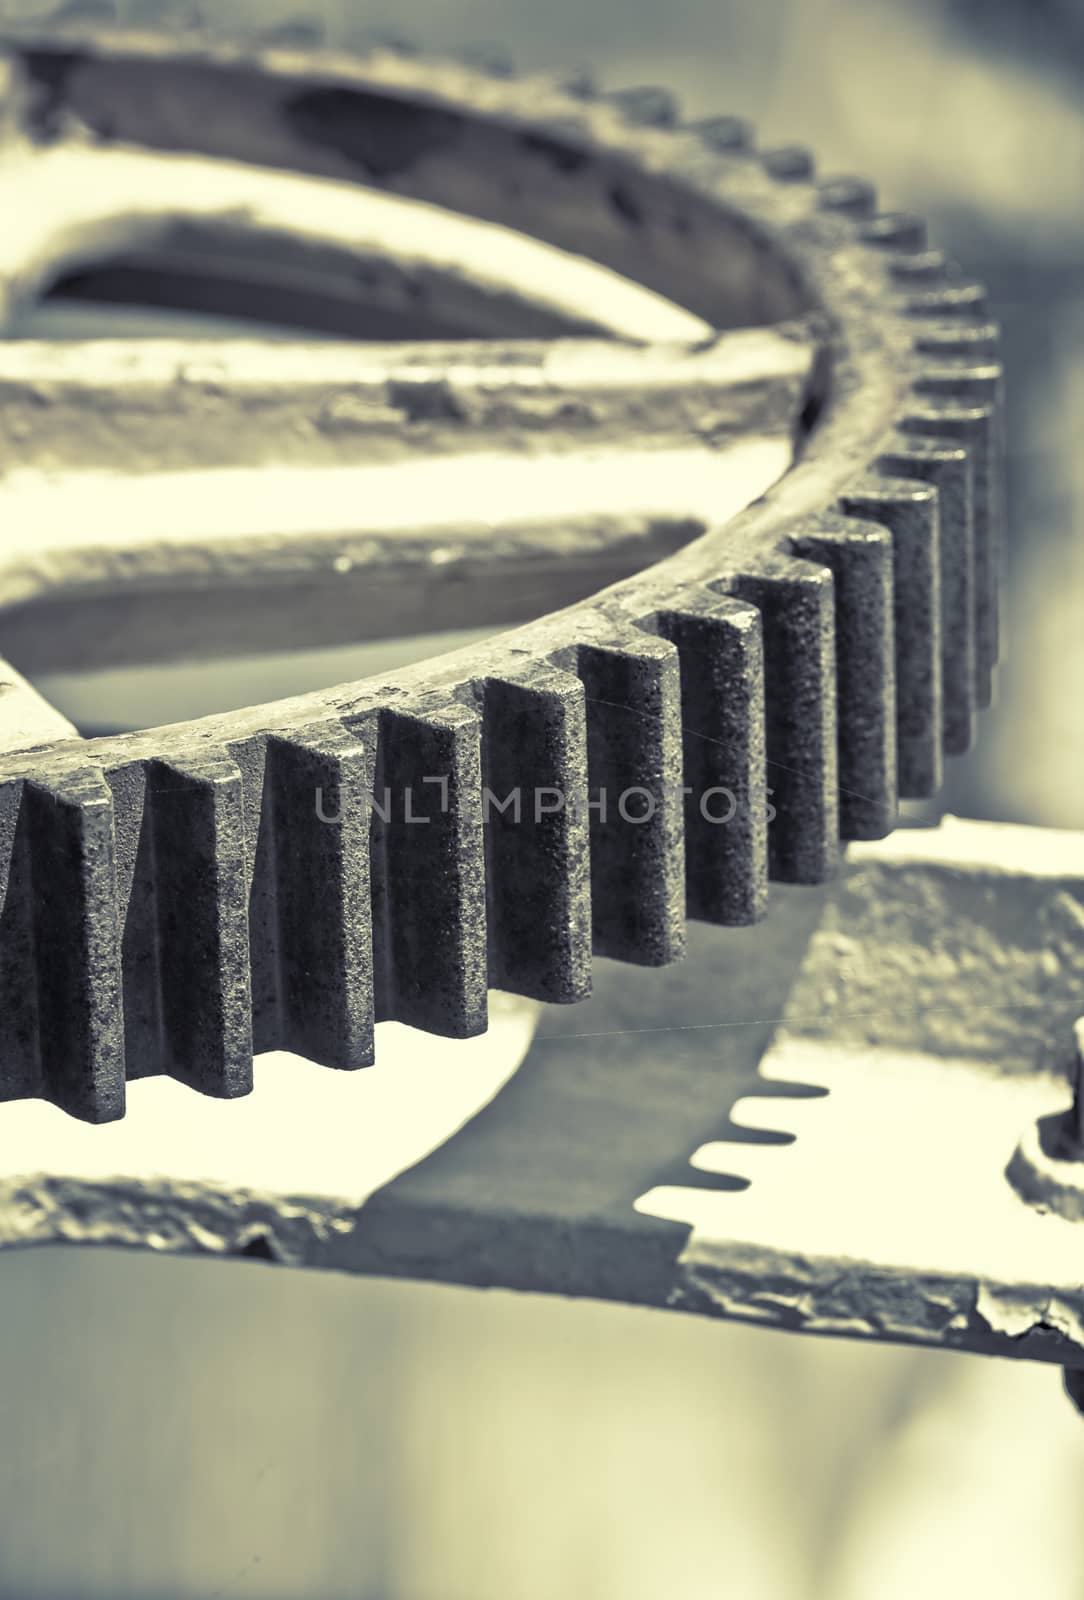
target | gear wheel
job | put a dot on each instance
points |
(172, 899)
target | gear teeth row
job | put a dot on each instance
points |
(163, 912)
(975, 428)
(222, 853)
(947, 467)
(223, 930)
(961, 405)
(894, 230)
(725, 135)
(850, 197)
(645, 106)
(956, 420)
(967, 391)
(792, 163)
(502, 829)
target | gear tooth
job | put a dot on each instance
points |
(538, 876)
(20, 1076)
(295, 33)
(859, 556)
(181, 16)
(947, 466)
(368, 39)
(193, 851)
(723, 134)
(251, 32)
(579, 84)
(427, 867)
(894, 230)
(854, 197)
(719, 644)
(77, 945)
(20, 1072)
(60, 973)
(137, 919)
(189, 16)
(962, 380)
(923, 268)
(962, 298)
(975, 425)
(559, 140)
(795, 600)
(307, 788)
(970, 341)
(645, 106)
(486, 56)
(632, 691)
(908, 509)
(793, 163)
(102, 13)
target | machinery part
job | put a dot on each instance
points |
(928, 991)
(173, 900)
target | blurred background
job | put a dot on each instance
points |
(185, 1428)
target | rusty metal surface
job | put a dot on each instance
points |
(827, 644)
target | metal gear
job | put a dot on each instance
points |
(172, 900)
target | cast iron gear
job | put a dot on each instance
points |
(173, 901)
